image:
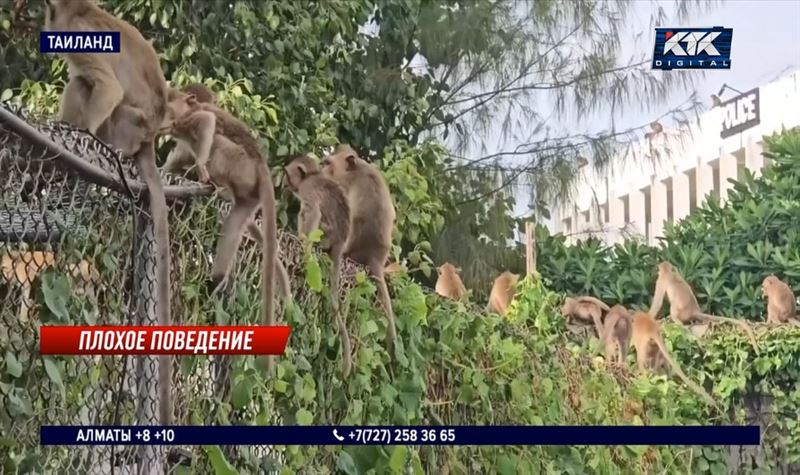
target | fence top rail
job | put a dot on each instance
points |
(68, 144)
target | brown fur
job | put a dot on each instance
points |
(372, 217)
(683, 306)
(651, 353)
(122, 99)
(449, 284)
(323, 205)
(586, 309)
(502, 293)
(181, 159)
(781, 303)
(616, 334)
(228, 154)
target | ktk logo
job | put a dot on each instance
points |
(696, 43)
(692, 48)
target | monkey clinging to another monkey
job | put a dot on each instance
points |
(323, 206)
(227, 154)
(372, 216)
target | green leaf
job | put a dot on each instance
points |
(56, 292)
(220, 465)
(54, 373)
(6, 95)
(303, 417)
(242, 393)
(345, 463)
(13, 367)
(397, 460)
(313, 274)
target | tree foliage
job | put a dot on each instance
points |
(391, 75)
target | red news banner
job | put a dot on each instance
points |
(163, 340)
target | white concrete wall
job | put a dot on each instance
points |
(671, 155)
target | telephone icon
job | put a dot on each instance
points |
(338, 437)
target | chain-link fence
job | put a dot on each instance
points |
(76, 247)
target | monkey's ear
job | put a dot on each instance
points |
(191, 99)
(351, 161)
(302, 170)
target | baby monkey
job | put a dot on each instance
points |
(323, 205)
(781, 303)
(227, 154)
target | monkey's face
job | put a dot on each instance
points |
(298, 170)
(339, 165)
(766, 285)
(179, 105)
(566, 307)
(448, 269)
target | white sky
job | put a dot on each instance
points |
(766, 45)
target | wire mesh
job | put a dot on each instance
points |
(76, 248)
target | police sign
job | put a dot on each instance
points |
(740, 113)
(693, 48)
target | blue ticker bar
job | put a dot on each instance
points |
(400, 435)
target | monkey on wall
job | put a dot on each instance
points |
(651, 353)
(449, 284)
(323, 206)
(372, 218)
(228, 155)
(121, 98)
(683, 306)
(503, 290)
(781, 303)
(587, 310)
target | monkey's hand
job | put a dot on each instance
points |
(202, 174)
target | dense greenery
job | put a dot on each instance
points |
(302, 75)
(724, 251)
(398, 79)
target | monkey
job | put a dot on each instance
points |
(21, 268)
(616, 334)
(181, 158)
(781, 303)
(502, 293)
(227, 154)
(586, 309)
(449, 284)
(201, 92)
(683, 306)
(324, 206)
(651, 353)
(372, 216)
(121, 98)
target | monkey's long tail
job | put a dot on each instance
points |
(269, 230)
(741, 323)
(146, 164)
(692, 385)
(589, 299)
(598, 324)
